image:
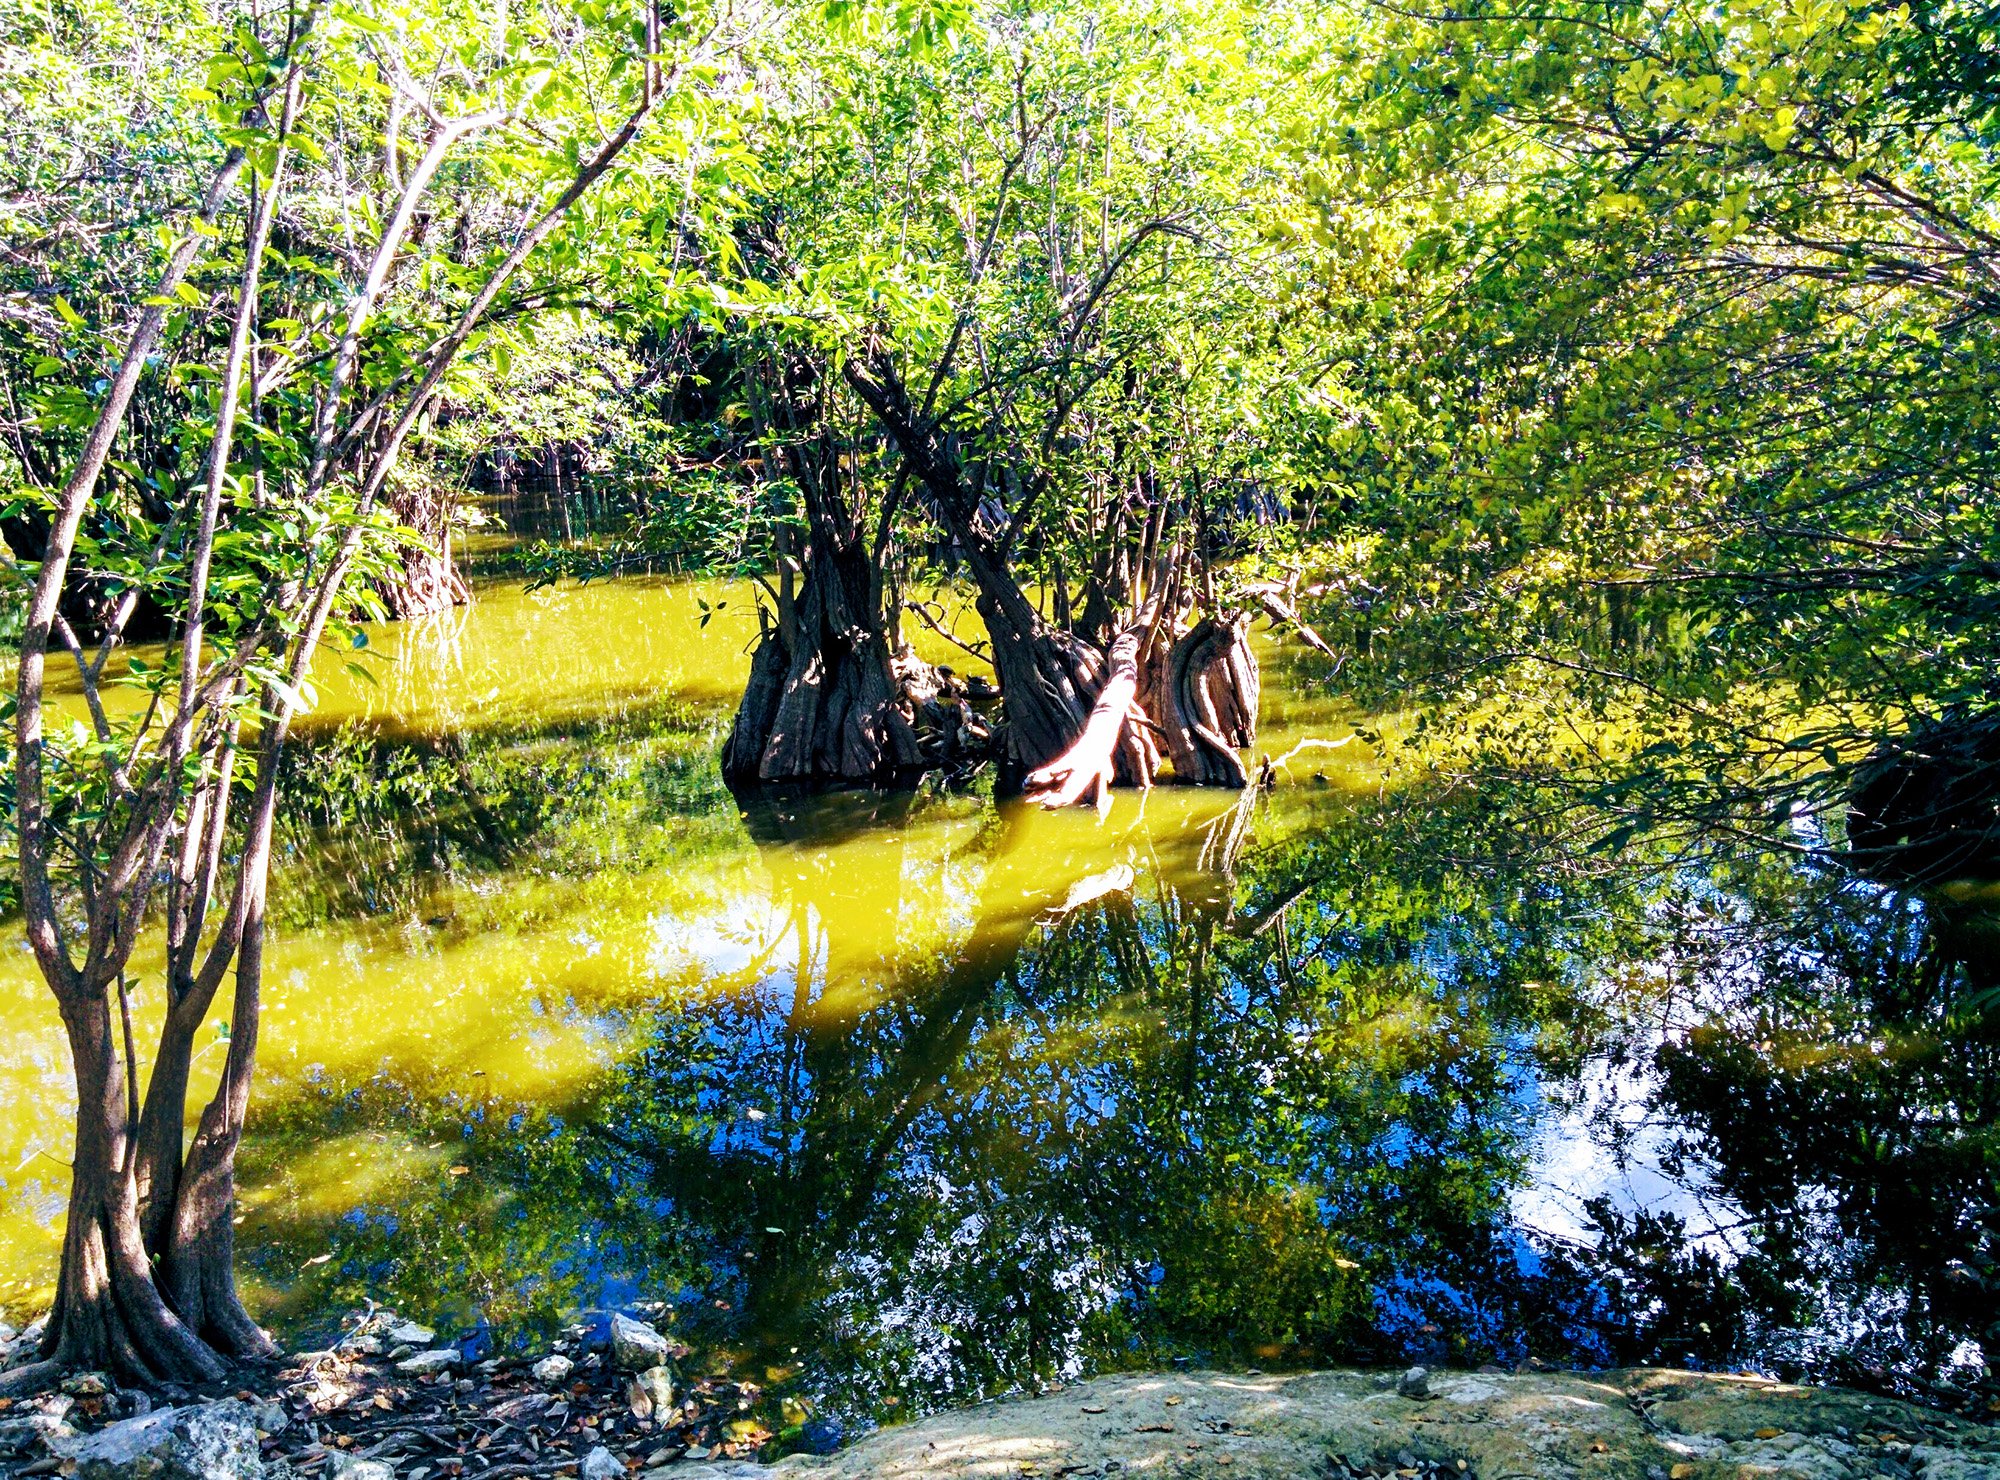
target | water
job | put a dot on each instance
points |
(900, 1101)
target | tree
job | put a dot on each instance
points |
(1667, 399)
(1021, 248)
(290, 504)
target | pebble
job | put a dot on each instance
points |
(552, 1370)
(602, 1464)
(1416, 1383)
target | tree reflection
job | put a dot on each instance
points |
(987, 1097)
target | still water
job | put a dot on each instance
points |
(900, 1101)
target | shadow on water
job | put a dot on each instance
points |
(898, 1101)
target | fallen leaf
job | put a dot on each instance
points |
(1769, 1433)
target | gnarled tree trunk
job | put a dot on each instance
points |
(824, 702)
(1203, 694)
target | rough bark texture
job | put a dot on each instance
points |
(1203, 695)
(824, 702)
(1115, 742)
(109, 1315)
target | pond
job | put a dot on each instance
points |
(893, 1102)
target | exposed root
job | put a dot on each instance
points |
(1090, 767)
(1206, 691)
(32, 1378)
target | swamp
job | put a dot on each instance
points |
(909, 702)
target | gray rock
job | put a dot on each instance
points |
(208, 1441)
(602, 1464)
(1616, 1425)
(636, 1346)
(652, 1391)
(272, 1418)
(552, 1370)
(353, 1467)
(29, 1437)
(1416, 1383)
(408, 1333)
(430, 1363)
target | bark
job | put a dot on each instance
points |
(823, 702)
(198, 1265)
(1115, 738)
(1204, 691)
(109, 1315)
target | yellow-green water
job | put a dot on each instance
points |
(519, 987)
(898, 1100)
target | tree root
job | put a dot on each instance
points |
(1089, 768)
(1205, 688)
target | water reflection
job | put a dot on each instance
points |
(904, 1100)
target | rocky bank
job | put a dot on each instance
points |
(616, 1410)
(1632, 1425)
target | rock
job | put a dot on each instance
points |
(30, 1437)
(352, 1467)
(652, 1392)
(367, 1344)
(209, 1441)
(430, 1363)
(408, 1333)
(1416, 1383)
(1604, 1425)
(87, 1385)
(602, 1464)
(552, 1370)
(636, 1346)
(271, 1418)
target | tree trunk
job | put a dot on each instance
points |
(198, 1266)
(1203, 691)
(109, 1315)
(429, 582)
(1115, 742)
(823, 702)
